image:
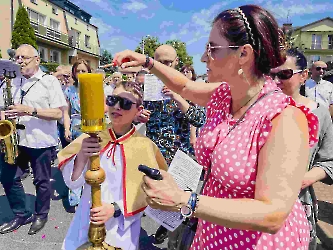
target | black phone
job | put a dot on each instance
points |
(150, 172)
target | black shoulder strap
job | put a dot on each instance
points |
(24, 93)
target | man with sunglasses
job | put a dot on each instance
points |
(38, 104)
(173, 119)
(318, 89)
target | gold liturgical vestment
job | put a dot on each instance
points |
(135, 149)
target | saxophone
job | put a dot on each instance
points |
(8, 134)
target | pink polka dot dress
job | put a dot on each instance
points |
(233, 161)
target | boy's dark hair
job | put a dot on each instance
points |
(133, 88)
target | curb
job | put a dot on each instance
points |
(324, 235)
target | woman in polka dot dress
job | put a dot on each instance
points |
(250, 198)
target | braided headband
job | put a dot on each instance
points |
(247, 25)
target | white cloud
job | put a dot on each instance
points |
(134, 6)
(103, 27)
(199, 25)
(148, 16)
(119, 43)
(281, 9)
(166, 24)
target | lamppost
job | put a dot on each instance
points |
(143, 43)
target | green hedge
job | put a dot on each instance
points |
(50, 66)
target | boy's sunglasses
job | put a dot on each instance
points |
(285, 74)
(124, 103)
(319, 68)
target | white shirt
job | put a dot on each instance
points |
(321, 92)
(108, 89)
(120, 232)
(45, 93)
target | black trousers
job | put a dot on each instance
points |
(40, 160)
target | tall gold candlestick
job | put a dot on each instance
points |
(92, 122)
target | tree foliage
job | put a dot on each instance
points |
(150, 45)
(180, 47)
(106, 58)
(0, 54)
(23, 33)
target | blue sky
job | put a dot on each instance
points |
(123, 23)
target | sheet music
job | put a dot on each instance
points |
(186, 173)
(9, 66)
(153, 89)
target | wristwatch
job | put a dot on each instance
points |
(34, 113)
(117, 211)
(188, 209)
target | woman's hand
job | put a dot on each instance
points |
(100, 215)
(144, 116)
(68, 135)
(164, 194)
(167, 92)
(135, 59)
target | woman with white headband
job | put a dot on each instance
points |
(254, 145)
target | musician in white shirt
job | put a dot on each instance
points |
(39, 102)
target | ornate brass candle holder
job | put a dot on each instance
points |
(92, 122)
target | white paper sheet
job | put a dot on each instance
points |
(186, 173)
(9, 67)
(153, 89)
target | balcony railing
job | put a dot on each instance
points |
(77, 43)
(49, 32)
(322, 45)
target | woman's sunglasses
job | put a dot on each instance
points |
(124, 103)
(285, 74)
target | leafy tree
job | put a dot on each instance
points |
(0, 54)
(150, 45)
(106, 58)
(180, 47)
(23, 33)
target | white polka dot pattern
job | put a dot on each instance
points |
(233, 160)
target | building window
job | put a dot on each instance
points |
(87, 27)
(54, 24)
(87, 41)
(36, 17)
(330, 41)
(55, 10)
(316, 41)
(55, 56)
(71, 11)
(42, 53)
(34, 1)
(75, 20)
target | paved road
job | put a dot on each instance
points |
(51, 237)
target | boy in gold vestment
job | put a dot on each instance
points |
(121, 150)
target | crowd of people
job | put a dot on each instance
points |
(261, 127)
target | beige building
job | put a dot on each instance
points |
(315, 40)
(62, 29)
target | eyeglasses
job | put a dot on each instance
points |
(209, 49)
(321, 68)
(124, 103)
(24, 58)
(285, 74)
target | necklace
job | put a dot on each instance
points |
(247, 102)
